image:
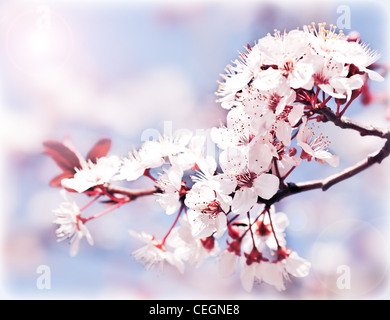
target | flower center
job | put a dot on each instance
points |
(264, 229)
(287, 68)
(319, 143)
(274, 100)
(320, 78)
(213, 208)
(246, 139)
(246, 179)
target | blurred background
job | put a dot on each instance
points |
(120, 69)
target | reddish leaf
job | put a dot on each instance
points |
(100, 149)
(56, 182)
(62, 155)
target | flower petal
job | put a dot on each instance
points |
(266, 185)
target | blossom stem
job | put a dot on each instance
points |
(294, 135)
(325, 101)
(113, 198)
(345, 108)
(276, 168)
(90, 202)
(173, 225)
(98, 215)
(272, 227)
(257, 218)
(147, 174)
(314, 101)
(250, 229)
(338, 110)
(232, 219)
(288, 173)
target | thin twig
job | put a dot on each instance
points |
(326, 183)
(132, 193)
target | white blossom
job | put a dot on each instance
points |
(227, 263)
(289, 53)
(70, 225)
(276, 273)
(131, 168)
(170, 183)
(314, 147)
(245, 168)
(93, 174)
(207, 214)
(190, 248)
(153, 254)
(266, 228)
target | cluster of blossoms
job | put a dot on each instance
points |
(271, 92)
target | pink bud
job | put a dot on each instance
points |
(292, 152)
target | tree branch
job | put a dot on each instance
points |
(346, 123)
(131, 193)
(326, 183)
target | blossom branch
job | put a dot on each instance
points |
(272, 92)
(346, 123)
(326, 183)
(131, 193)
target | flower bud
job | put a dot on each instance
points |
(292, 152)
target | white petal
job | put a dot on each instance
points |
(131, 170)
(86, 233)
(326, 156)
(223, 137)
(224, 183)
(244, 199)
(297, 266)
(296, 114)
(373, 75)
(302, 76)
(327, 88)
(199, 194)
(272, 274)
(227, 263)
(220, 224)
(79, 185)
(75, 243)
(201, 225)
(176, 262)
(260, 157)
(234, 160)
(283, 132)
(238, 81)
(266, 185)
(169, 202)
(247, 276)
(175, 175)
(279, 221)
(267, 79)
(207, 165)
